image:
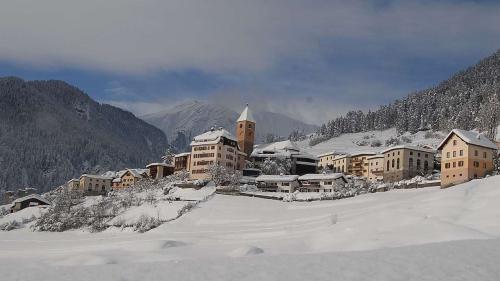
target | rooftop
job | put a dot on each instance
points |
(212, 137)
(277, 178)
(470, 137)
(324, 176)
(411, 147)
(246, 115)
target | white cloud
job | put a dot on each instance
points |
(130, 36)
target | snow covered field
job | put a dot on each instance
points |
(415, 234)
(346, 143)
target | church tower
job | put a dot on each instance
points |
(245, 131)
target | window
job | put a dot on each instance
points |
(328, 183)
(484, 165)
(454, 164)
(388, 163)
(249, 126)
(454, 154)
(454, 142)
(484, 154)
(285, 184)
(393, 163)
(397, 164)
(241, 126)
(398, 152)
(460, 163)
(447, 165)
(426, 166)
(426, 155)
(418, 154)
(461, 152)
(411, 152)
(448, 154)
(476, 164)
(476, 153)
(410, 163)
(418, 164)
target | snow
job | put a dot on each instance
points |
(246, 115)
(470, 137)
(325, 176)
(412, 147)
(162, 210)
(191, 194)
(345, 144)
(24, 214)
(31, 196)
(277, 178)
(213, 136)
(415, 234)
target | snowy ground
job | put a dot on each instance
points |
(416, 234)
(346, 143)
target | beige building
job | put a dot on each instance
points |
(359, 164)
(405, 162)
(129, 177)
(326, 160)
(73, 184)
(375, 167)
(465, 155)
(278, 183)
(322, 182)
(94, 184)
(215, 147)
(341, 164)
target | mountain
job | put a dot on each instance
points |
(189, 119)
(468, 100)
(51, 132)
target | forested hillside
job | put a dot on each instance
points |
(468, 100)
(51, 131)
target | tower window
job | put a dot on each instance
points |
(249, 126)
(241, 126)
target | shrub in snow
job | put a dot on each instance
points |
(406, 139)
(392, 141)
(361, 143)
(3, 212)
(376, 143)
(146, 223)
(276, 166)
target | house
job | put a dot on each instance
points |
(28, 201)
(245, 132)
(160, 170)
(326, 160)
(215, 147)
(375, 167)
(322, 182)
(129, 177)
(182, 161)
(73, 185)
(277, 183)
(301, 163)
(95, 184)
(405, 162)
(465, 155)
(359, 164)
(341, 163)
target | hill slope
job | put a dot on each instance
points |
(51, 131)
(189, 119)
(470, 99)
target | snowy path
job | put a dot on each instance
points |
(277, 236)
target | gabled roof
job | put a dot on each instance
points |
(469, 137)
(246, 115)
(31, 196)
(212, 137)
(324, 176)
(159, 164)
(137, 173)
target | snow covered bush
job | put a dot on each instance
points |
(276, 166)
(3, 212)
(146, 223)
(392, 141)
(376, 143)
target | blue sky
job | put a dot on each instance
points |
(312, 60)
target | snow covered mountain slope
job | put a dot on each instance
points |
(419, 234)
(183, 122)
(362, 142)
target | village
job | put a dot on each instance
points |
(274, 169)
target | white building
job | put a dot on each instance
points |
(322, 182)
(277, 183)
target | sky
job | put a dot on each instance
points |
(312, 60)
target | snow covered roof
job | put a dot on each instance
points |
(327, 154)
(375, 156)
(280, 147)
(31, 196)
(417, 148)
(212, 137)
(96, 177)
(469, 137)
(117, 180)
(246, 115)
(137, 173)
(363, 153)
(341, 156)
(183, 154)
(159, 164)
(324, 176)
(277, 178)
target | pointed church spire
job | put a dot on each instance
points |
(246, 115)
